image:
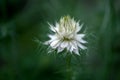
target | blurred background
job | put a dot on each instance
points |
(24, 21)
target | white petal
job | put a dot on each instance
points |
(76, 51)
(74, 43)
(57, 25)
(72, 46)
(54, 43)
(69, 46)
(57, 29)
(80, 35)
(81, 46)
(82, 41)
(79, 38)
(64, 44)
(60, 49)
(50, 41)
(81, 26)
(52, 27)
(53, 37)
(77, 29)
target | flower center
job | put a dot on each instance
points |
(67, 39)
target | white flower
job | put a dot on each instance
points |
(66, 36)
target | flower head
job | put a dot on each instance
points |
(66, 35)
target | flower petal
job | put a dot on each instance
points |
(82, 41)
(81, 46)
(76, 51)
(52, 27)
(69, 46)
(53, 37)
(74, 43)
(54, 43)
(80, 35)
(64, 44)
(60, 49)
(77, 29)
(72, 46)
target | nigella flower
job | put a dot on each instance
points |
(66, 36)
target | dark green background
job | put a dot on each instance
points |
(22, 22)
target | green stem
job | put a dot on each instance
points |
(68, 66)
